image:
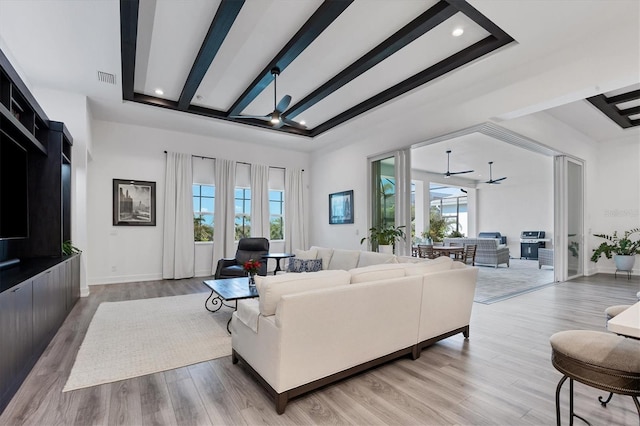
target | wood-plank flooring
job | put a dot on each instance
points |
(502, 375)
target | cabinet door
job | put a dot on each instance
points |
(41, 311)
(22, 300)
(7, 337)
(75, 277)
(16, 335)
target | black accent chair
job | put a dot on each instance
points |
(248, 248)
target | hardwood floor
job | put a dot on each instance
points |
(502, 375)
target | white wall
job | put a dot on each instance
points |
(616, 204)
(121, 151)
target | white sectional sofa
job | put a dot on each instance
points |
(307, 330)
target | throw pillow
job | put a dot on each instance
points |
(304, 265)
(344, 259)
(312, 253)
(324, 254)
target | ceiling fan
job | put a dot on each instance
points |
(448, 173)
(276, 118)
(491, 180)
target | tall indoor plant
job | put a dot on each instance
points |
(623, 249)
(384, 237)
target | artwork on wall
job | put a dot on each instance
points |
(134, 203)
(341, 207)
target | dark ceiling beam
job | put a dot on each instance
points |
(220, 26)
(608, 107)
(410, 32)
(328, 11)
(477, 17)
(449, 64)
(128, 38)
(630, 111)
(624, 97)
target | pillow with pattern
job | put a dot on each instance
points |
(304, 265)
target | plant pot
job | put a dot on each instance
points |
(624, 262)
(384, 248)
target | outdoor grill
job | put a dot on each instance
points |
(530, 242)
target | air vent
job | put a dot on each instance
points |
(106, 77)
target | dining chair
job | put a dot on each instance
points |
(470, 254)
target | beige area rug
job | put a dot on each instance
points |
(138, 337)
(523, 276)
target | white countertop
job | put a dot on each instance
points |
(627, 322)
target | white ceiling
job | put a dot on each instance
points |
(62, 44)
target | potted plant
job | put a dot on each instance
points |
(623, 249)
(385, 237)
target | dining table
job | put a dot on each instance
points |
(452, 251)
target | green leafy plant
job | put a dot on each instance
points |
(438, 226)
(456, 234)
(68, 248)
(385, 235)
(617, 245)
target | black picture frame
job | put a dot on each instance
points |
(341, 207)
(134, 202)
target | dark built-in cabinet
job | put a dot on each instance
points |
(38, 285)
(31, 312)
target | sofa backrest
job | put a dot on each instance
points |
(271, 288)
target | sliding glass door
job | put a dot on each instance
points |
(569, 218)
(391, 195)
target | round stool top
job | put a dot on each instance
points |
(614, 310)
(599, 348)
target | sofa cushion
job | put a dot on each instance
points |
(302, 265)
(411, 259)
(438, 264)
(368, 258)
(273, 287)
(344, 259)
(377, 272)
(312, 253)
(324, 254)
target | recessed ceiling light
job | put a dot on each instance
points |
(303, 122)
(159, 92)
(457, 32)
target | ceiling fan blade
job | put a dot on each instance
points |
(258, 117)
(292, 123)
(284, 103)
(459, 173)
(498, 180)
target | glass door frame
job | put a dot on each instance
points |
(561, 219)
(402, 175)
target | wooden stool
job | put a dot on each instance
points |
(601, 360)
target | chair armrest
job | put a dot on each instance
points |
(223, 263)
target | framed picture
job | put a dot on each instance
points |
(341, 207)
(134, 203)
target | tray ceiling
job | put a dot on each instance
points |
(338, 59)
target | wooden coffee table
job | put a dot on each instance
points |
(228, 290)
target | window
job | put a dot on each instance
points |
(276, 214)
(243, 212)
(203, 202)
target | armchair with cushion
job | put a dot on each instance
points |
(248, 248)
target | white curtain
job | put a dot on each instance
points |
(260, 201)
(294, 229)
(178, 253)
(224, 216)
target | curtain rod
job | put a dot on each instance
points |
(240, 162)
